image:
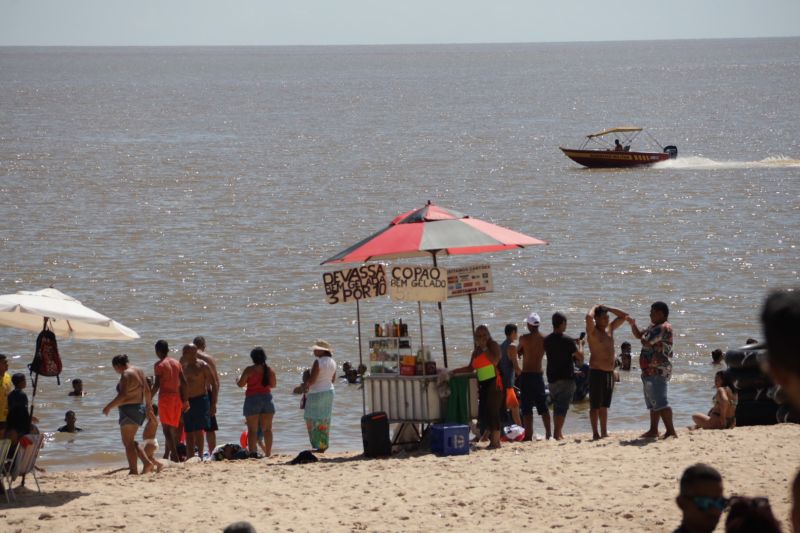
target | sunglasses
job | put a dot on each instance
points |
(705, 503)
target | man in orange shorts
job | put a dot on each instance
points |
(170, 385)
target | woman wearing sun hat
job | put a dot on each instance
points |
(319, 398)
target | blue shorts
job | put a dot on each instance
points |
(258, 404)
(132, 414)
(561, 393)
(198, 417)
(655, 392)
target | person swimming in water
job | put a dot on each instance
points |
(69, 427)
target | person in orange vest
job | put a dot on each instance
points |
(484, 361)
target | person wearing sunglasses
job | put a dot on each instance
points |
(700, 499)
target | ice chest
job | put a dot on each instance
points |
(450, 439)
(375, 433)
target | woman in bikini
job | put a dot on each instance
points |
(259, 380)
(135, 405)
(723, 413)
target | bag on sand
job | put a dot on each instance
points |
(46, 360)
(513, 433)
(303, 458)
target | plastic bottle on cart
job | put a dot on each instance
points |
(400, 329)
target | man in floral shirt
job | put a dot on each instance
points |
(655, 362)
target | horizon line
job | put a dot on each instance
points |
(453, 43)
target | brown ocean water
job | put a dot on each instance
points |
(194, 191)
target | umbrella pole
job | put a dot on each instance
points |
(361, 361)
(471, 314)
(36, 378)
(33, 394)
(421, 338)
(441, 322)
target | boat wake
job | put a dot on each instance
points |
(693, 162)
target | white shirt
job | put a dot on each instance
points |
(327, 369)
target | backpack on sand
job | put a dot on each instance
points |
(46, 360)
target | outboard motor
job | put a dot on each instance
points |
(671, 150)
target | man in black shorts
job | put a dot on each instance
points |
(531, 380)
(562, 356)
(600, 335)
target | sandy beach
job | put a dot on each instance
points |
(620, 483)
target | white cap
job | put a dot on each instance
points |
(533, 319)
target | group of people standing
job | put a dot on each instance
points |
(518, 363)
(187, 391)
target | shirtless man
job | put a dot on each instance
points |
(135, 404)
(211, 430)
(202, 405)
(531, 380)
(600, 335)
(170, 384)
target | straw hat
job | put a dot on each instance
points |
(322, 345)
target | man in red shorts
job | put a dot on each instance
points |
(170, 384)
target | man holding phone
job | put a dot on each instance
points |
(562, 355)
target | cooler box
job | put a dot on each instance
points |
(375, 433)
(450, 439)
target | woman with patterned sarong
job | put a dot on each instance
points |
(319, 398)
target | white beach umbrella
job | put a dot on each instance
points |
(67, 316)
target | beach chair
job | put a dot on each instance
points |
(25, 461)
(6, 460)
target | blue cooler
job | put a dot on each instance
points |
(450, 439)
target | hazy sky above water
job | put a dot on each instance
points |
(323, 22)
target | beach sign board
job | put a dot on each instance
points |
(362, 283)
(474, 279)
(413, 283)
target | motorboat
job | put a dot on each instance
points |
(599, 151)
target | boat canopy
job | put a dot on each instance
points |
(624, 129)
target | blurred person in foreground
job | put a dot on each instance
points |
(796, 504)
(700, 499)
(780, 317)
(751, 514)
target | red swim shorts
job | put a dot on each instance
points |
(170, 408)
